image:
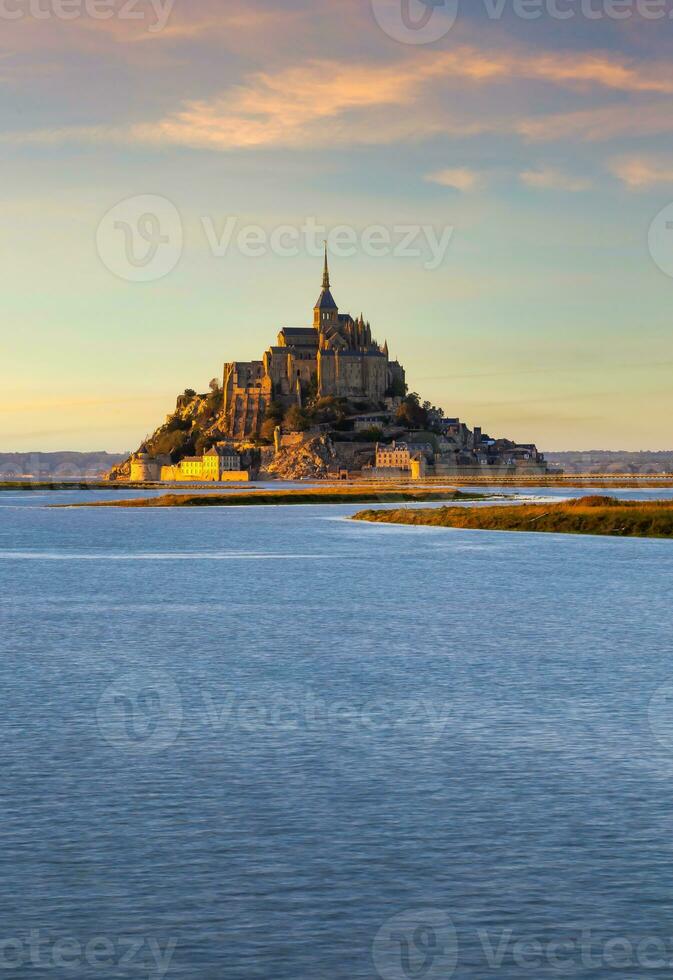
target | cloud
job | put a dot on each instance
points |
(295, 106)
(458, 178)
(326, 102)
(549, 178)
(600, 124)
(639, 173)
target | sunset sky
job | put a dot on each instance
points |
(544, 144)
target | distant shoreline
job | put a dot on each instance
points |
(586, 482)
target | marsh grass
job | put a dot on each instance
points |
(586, 515)
(315, 496)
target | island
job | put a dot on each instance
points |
(585, 515)
(317, 495)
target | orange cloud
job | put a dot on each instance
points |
(324, 102)
(283, 108)
(292, 106)
(641, 172)
(458, 178)
(601, 123)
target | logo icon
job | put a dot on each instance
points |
(419, 945)
(415, 21)
(661, 240)
(140, 712)
(141, 239)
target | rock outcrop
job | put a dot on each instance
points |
(196, 424)
(310, 460)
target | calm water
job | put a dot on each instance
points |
(270, 743)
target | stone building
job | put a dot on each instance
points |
(220, 464)
(146, 468)
(337, 356)
(394, 457)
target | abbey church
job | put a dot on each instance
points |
(335, 357)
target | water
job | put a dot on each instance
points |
(270, 743)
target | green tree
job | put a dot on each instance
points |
(274, 412)
(296, 419)
(398, 389)
(411, 413)
(268, 429)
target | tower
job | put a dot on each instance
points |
(325, 311)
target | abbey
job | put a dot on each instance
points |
(335, 357)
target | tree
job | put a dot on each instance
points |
(274, 412)
(190, 393)
(411, 413)
(214, 385)
(296, 419)
(374, 434)
(398, 389)
(268, 429)
(329, 409)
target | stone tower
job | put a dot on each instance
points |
(325, 311)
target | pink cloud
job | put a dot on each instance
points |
(640, 173)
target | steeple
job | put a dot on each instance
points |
(325, 277)
(325, 311)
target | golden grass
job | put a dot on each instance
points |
(587, 515)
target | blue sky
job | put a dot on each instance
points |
(545, 145)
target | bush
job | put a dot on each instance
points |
(411, 413)
(296, 419)
(268, 429)
(329, 410)
(169, 443)
(370, 435)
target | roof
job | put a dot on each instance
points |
(222, 451)
(305, 331)
(326, 301)
(299, 337)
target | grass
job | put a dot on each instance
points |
(267, 497)
(587, 515)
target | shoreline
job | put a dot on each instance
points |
(454, 480)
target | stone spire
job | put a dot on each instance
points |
(325, 311)
(325, 277)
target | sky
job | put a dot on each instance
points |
(494, 178)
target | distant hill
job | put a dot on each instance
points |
(61, 465)
(605, 461)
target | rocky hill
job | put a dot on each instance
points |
(196, 424)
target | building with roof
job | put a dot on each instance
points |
(220, 464)
(337, 356)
